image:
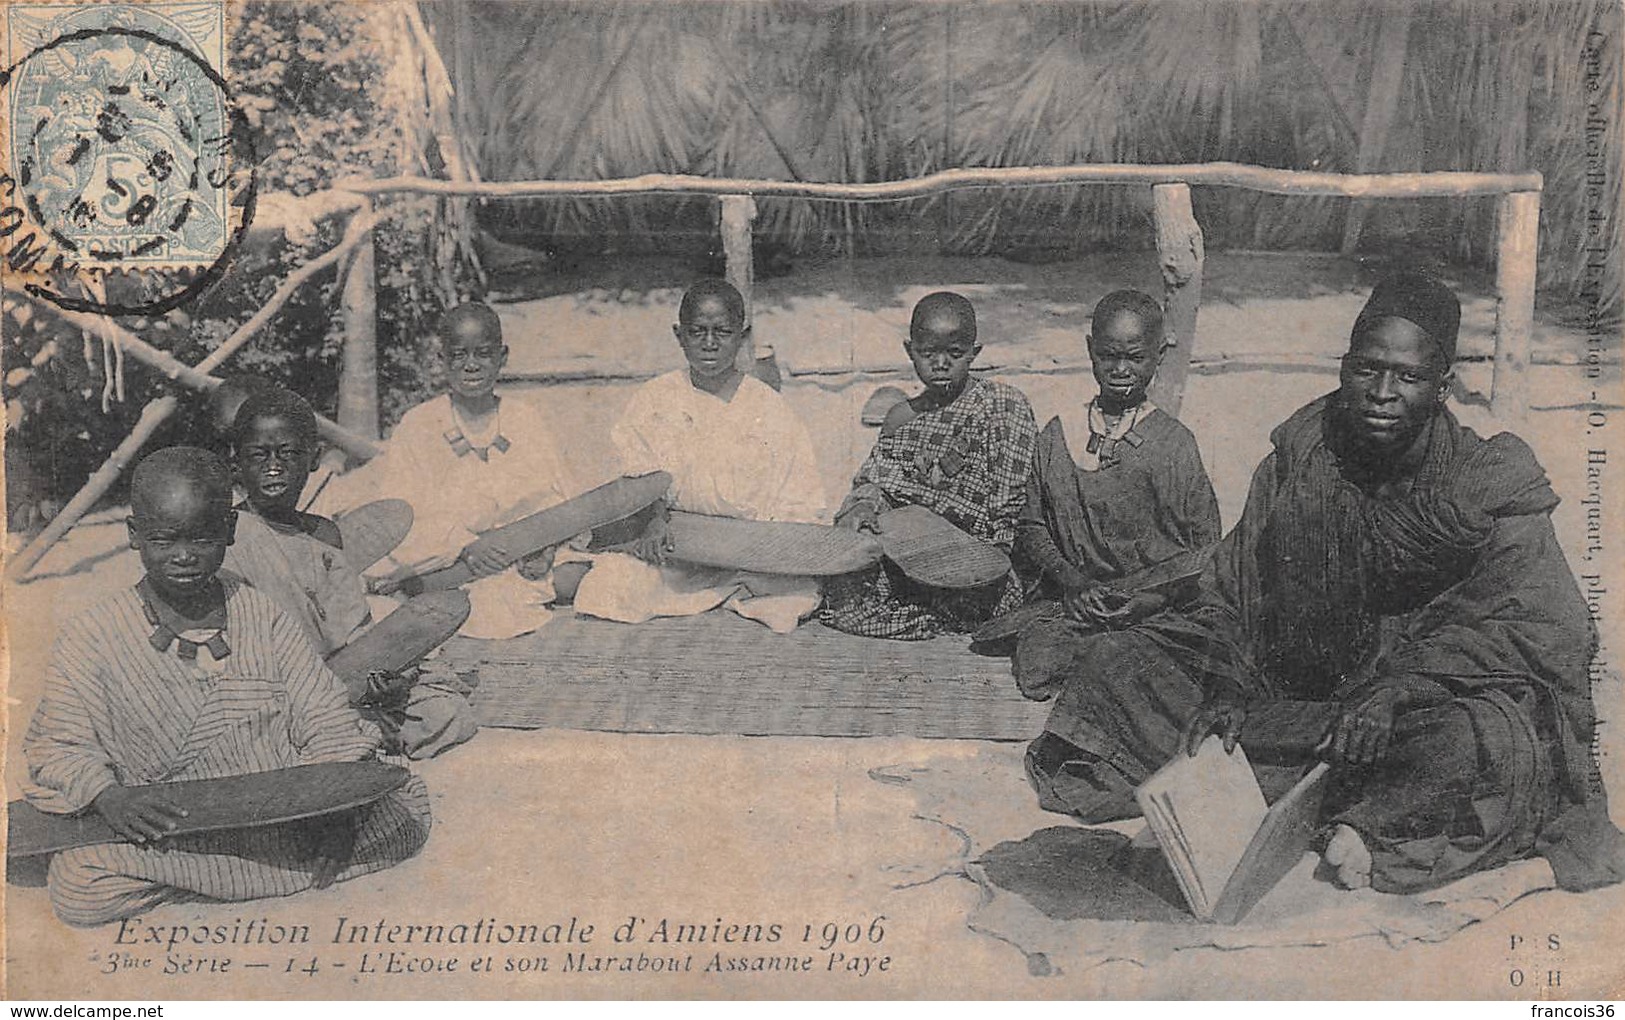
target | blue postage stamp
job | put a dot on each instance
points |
(119, 148)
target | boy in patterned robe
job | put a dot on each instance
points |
(962, 449)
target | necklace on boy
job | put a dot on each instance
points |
(1106, 432)
(163, 635)
(461, 445)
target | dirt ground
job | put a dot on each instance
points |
(553, 824)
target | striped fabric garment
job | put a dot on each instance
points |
(115, 710)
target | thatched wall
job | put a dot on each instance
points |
(873, 91)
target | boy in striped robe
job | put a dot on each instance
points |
(190, 675)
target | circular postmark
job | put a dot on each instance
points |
(124, 152)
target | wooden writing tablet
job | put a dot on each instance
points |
(1008, 625)
(214, 805)
(879, 405)
(373, 530)
(610, 502)
(931, 550)
(422, 624)
(770, 547)
(1276, 848)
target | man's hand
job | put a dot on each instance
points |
(1081, 603)
(1118, 609)
(487, 555)
(1109, 607)
(138, 813)
(655, 542)
(1365, 730)
(1223, 715)
(535, 566)
(335, 846)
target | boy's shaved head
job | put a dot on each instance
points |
(274, 402)
(1125, 348)
(1140, 305)
(273, 448)
(942, 344)
(718, 290)
(944, 314)
(471, 322)
(181, 522)
(179, 474)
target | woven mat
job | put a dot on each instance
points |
(1071, 898)
(720, 674)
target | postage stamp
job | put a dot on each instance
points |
(121, 151)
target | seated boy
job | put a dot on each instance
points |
(962, 449)
(1119, 510)
(734, 448)
(189, 675)
(296, 559)
(469, 461)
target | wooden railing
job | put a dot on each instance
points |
(1179, 243)
(1179, 238)
(1446, 184)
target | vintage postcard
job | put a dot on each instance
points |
(780, 499)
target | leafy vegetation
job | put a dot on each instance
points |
(322, 88)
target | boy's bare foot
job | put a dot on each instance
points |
(1347, 857)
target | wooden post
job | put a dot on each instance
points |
(1381, 105)
(1181, 251)
(1517, 238)
(738, 213)
(358, 373)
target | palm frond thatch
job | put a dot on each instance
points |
(855, 91)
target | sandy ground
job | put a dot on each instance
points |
(540, 826)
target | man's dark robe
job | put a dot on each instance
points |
(1451, 586)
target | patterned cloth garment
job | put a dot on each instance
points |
(967, 461)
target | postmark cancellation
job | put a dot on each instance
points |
(118, 140)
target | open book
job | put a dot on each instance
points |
(1225, 845)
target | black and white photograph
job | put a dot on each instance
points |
(813, 499)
